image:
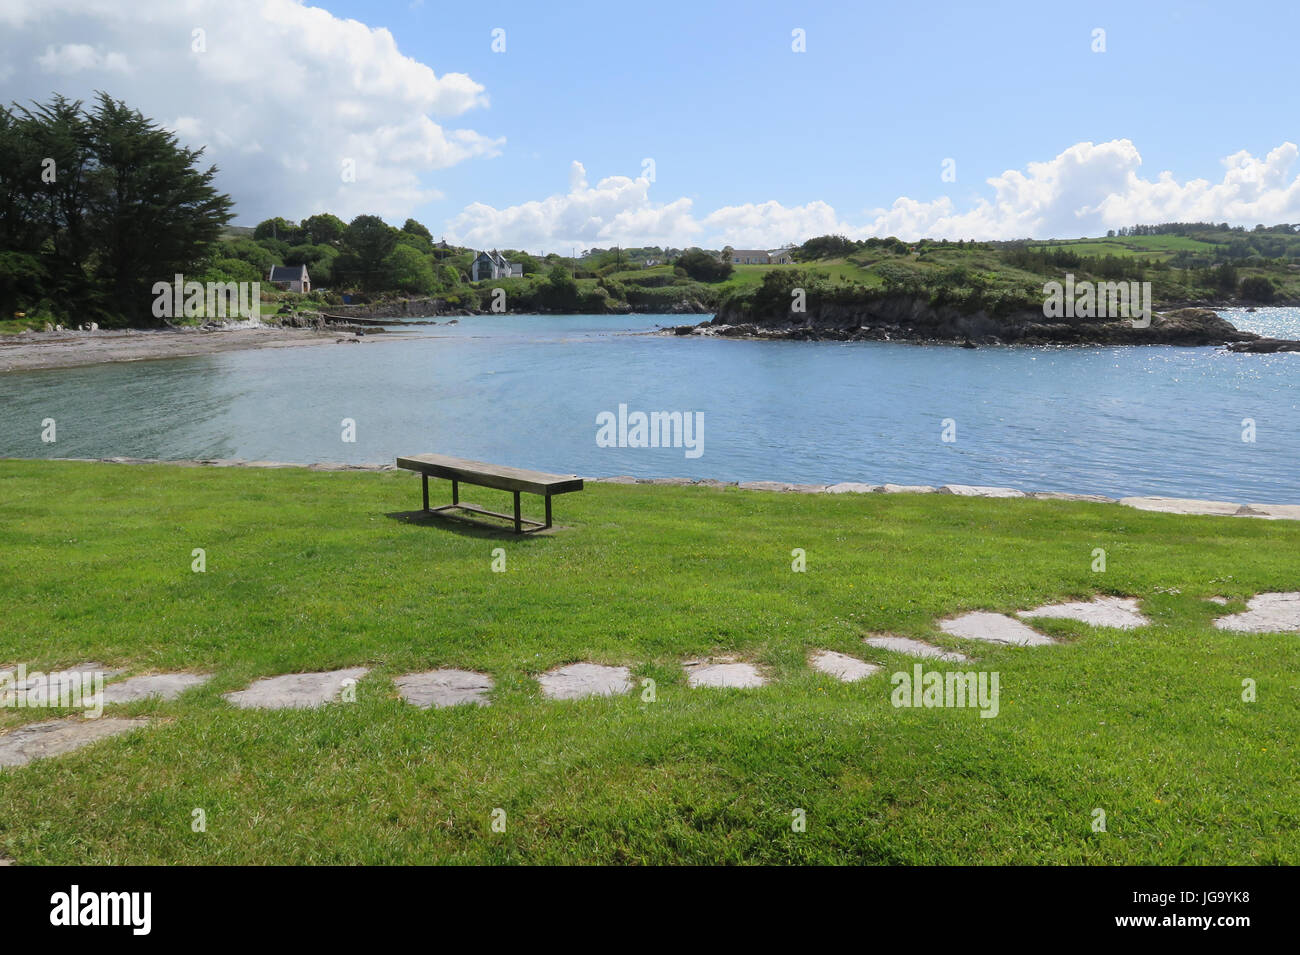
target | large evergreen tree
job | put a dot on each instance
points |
(95, 207)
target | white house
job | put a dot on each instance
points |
(292, 278)
(762, 257)
(493, 265)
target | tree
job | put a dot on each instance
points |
(368, 241)
(276, 228)
(151, 214)
(411, 227)
(323, 229)
(409, 271)
(703, 267)
(236, 270)
(1257, 288)
(96, 206)
(561, 290)
(251, 252)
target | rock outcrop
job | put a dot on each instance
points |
(906, 318)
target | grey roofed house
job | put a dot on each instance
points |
(750, 257)
(293, 278)
(493, 265)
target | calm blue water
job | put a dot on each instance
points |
(526, 391)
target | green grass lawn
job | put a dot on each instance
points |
(313, 571)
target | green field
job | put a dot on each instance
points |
(313, 571)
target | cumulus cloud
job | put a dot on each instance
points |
(285, 97)
(75, 57)
(616, 210)
(1085, 190)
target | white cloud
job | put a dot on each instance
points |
(280, 94)
(70, 58)
(1085, 190)
(617, 209)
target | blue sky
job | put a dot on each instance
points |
(751, 142)
(883, 94)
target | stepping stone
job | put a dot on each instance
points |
(78, 669)
(56, 737)
(973, 490)
(1265, 613)
(577, 680)
(444, 688)
(1181, 505)
(294, 691)
(994, 628)
(1221, 601)
(850, 487)
(723, 673)
(914, 648)
(1121, 613)
(906, 489)
(843, 667)
(6, 861)
(166, 686)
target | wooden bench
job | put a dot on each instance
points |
(460, 471)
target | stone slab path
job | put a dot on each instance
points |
(166, 686)
(78, 669)
(56, 737)
(723, 673)
(843, 667)
(914, 648)
(445, 688)
(994, 628)
(1121, 613)
(1266, 613)
(295, 691)
(577, 680)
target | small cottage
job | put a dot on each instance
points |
(291, 278)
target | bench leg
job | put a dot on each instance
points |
(548, 510)
(519, 527)
(455, 492)
(424, 481)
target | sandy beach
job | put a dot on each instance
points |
(35, 350)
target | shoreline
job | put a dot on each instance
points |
(35, 351)
(1161, 504)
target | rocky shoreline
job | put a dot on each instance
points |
(902, 318)
(1167, 505)
(430, 308)
(29, 351)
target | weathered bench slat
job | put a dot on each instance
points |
(516, 480)
(491, 475)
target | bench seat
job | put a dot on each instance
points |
(481, 474)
